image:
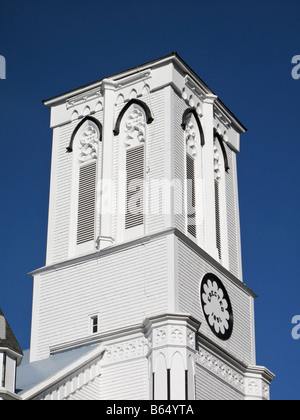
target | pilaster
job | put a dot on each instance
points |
(172, 342)
(257, 383)
(105, 239)
(208, 161)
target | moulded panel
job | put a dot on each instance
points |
(161, 379)
(178, 378)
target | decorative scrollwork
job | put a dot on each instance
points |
(217, 163)
(88, 144)
(190, 137)
(135, 127)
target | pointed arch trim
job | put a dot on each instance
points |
(94, 120)
(142, 104)
(185, 115)
(221, 142)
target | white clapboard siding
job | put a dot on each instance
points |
(121, 288)
(191, 270)
(218, 219)
(90, 391)
(209, 387)
(60, 199)
(119, 380)
(155, 161)
(232, 214)
(116, 169)
(179, 157)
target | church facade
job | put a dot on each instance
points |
(142, 294)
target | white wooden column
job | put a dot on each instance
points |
(209, 186)
(171, 357)
(106, 206)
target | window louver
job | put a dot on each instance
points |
(218, 221)
(134, 187)
(191, 199)
(86, 203)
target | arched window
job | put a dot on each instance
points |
(131, 127)
(140, 104)
(186, 117)
(191, 182)
(220, 169)
(194, 139)
(87, 147)
(217, 178)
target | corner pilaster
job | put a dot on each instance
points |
(257, 383)
(208, 162)
(172, 339)
(105, 239)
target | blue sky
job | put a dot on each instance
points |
(243, 51)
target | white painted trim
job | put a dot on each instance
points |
(63, 373)
(168, 199)
(209, 183)
(223, 209)
(139, 74)
(253, 341)
(142, 240)
(11, 353)
(140, 230)
(73, 247)
(237, 219)
(52, 197)
(7, 395)
(107, 161)
(35, 318)
(172, 275)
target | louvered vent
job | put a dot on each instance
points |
(191, 200)
(218, 221)
(134, 187)
(86, 203)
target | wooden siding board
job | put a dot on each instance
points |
(119, 381)
(209, 387)
(191, 269)
(231, 204)
(122, 288)
(155, 160)
(179, 159)
(62, 194)
(60, 210)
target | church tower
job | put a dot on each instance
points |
(143, 265)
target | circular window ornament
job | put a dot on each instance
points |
(216, 306)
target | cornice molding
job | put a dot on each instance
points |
(143, 72)
(141, 241)
(84, 97)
